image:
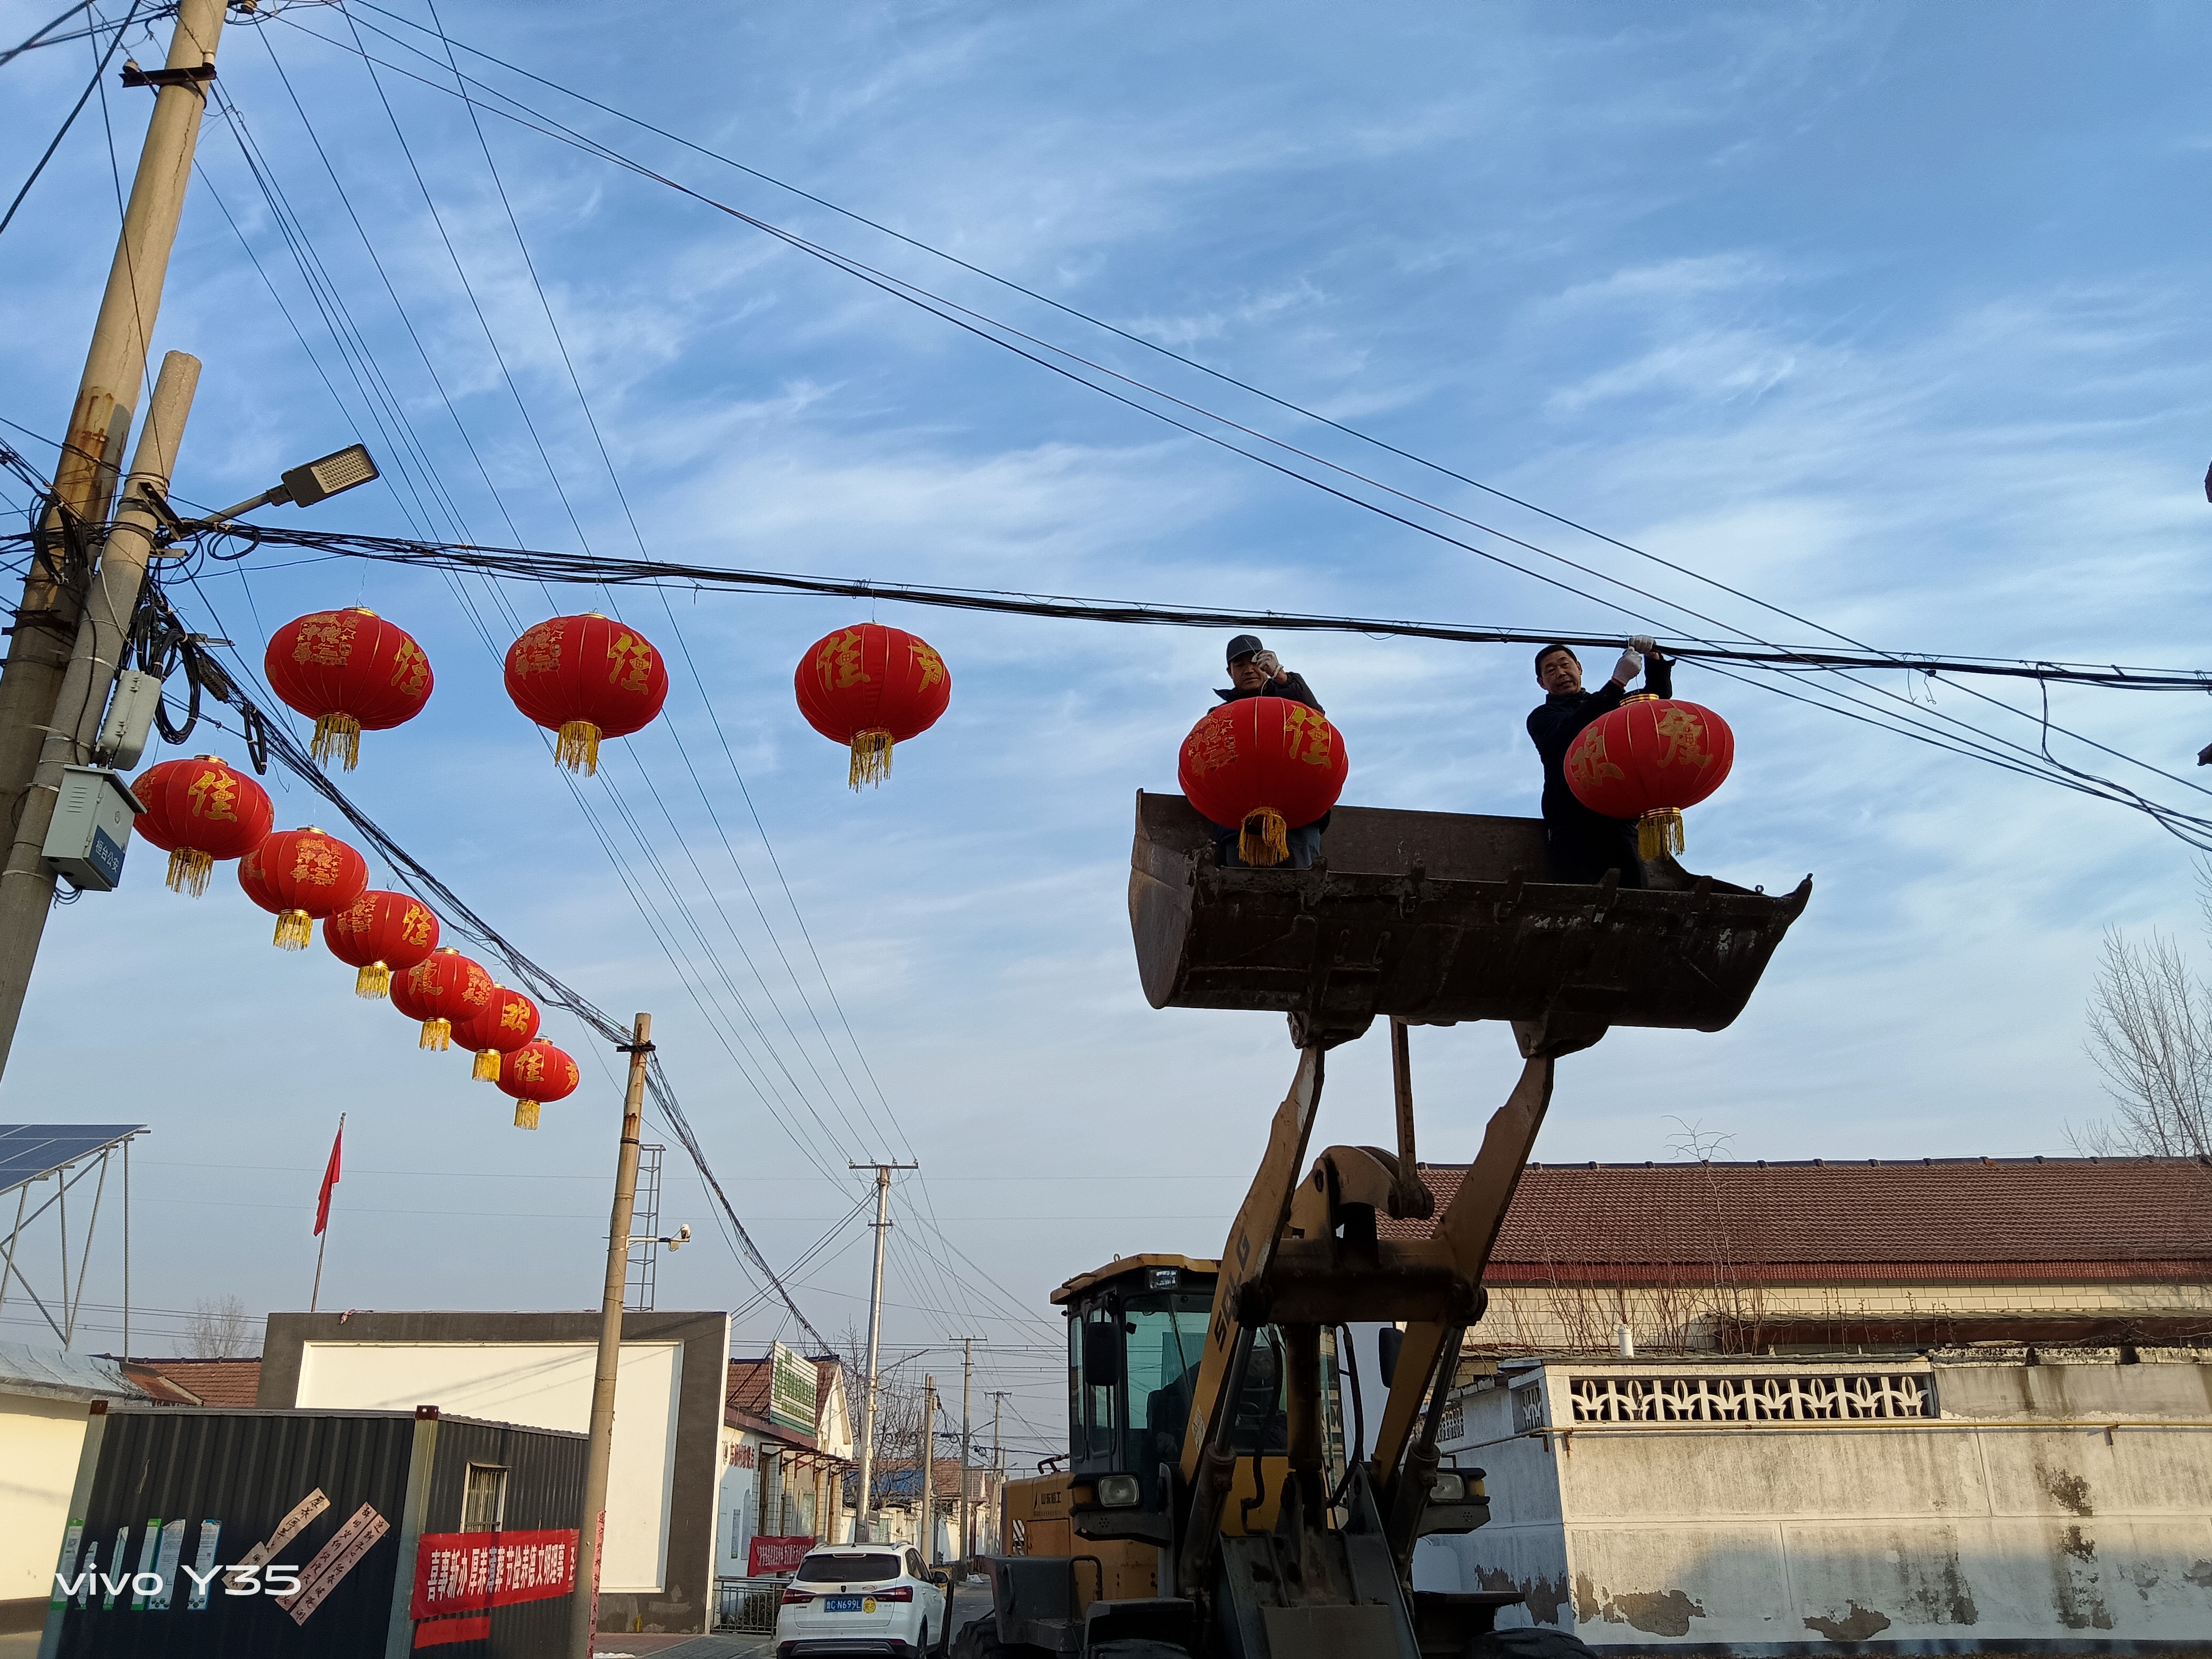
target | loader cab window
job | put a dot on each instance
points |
(1165, 1336)
(1098, 1369)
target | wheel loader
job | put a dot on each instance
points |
(1212, 1501)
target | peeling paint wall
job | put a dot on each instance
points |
(1997, 1525)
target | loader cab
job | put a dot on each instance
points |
(1136, 1332)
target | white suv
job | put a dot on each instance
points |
(863, 1599)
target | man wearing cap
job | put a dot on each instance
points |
(1255, 671)
(1581, 845)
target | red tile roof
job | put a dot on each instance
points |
(222, 1382)
(2129, 1219)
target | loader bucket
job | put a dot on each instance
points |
(1437, 917)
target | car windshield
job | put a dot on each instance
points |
(857, 1568)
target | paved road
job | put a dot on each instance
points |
(966, 1604)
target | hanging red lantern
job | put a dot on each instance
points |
(1647, 760)
(586, 678)
(349, 672)
(1267, 765)
(198, 810)
(533, 1074)
(443, 990)
(872, 687)
(503, 1025)
(381, 933)
(303, 876)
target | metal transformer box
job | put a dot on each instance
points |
(91, 827)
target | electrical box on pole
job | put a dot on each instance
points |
(91, 827)
(129, 720)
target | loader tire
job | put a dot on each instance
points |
(1527, 1642)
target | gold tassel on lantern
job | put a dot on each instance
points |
(872, 756)
(1658, 833)
(374, 981)
(486, 1070)
(336, 734)
(1266, 840)
(526, 1114)
(295, 930)
(189, 869)
(437, 1034)
(579, 747)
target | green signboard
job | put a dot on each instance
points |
(791, 1389)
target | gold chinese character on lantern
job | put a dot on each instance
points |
(839, 661)
(1587, 761)
(539, 651)
(1307, 736)
(633, 662)
(1212, 745)
(931, 664)
(214, 795)
(1685, 736)
(410, 668)
(325, 638)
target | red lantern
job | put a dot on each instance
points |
(504, 1024)
(443, 990)
(1647, 760)
(378, 933)
(198, 810)
(872, 687)
(349, 672)
(303, 876)
(1267, 764)
(586, 678)
(534, 1073)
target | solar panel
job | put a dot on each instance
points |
(28, 1150)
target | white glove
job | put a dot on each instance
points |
(1268, 664)
(1645, 643)
(1630, 665)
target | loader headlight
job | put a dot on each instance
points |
(1119, 1492)
(1450, 1487)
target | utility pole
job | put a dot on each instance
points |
(26, 887)
(928, 1468)
(47, 617)
(998, 1450)
(883, 1226)
(967, 1389)
(584, 1617)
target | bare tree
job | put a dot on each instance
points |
(221, 1329)
(2150, 1034)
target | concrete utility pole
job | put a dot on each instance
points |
(998, 1450)
(967, 1389)
(584, 1618)
(883, 1226)
(27, 880)
(47, 617)
(928, 1468)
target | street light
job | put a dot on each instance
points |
(304, 486)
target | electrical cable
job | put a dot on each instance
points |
(75, 109)
(39, 39)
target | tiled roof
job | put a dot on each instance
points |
(1886, 1220)
(749, 1383)
(223, 1382)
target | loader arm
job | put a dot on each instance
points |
(1207, 1463)
(1467, 1231)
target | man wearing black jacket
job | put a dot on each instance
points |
(1582, 845)
(1256, 672)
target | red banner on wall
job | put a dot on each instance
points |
(774, 1555)
(474, 1572)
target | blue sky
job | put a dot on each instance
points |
(1888, 315)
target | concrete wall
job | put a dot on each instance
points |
(40, 1440)
(1541, 1318)
(1953, 1533)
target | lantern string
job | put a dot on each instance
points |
(278, 744)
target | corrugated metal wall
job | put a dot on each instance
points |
(242, 1472)
(545, 1490)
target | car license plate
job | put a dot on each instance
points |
(852, 1604)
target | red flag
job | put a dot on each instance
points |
(329, 1179)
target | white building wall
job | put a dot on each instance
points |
(1936, 1534)
(737, 1502)
(541, 1385)
(41, 1440)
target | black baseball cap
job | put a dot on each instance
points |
(1243, 645)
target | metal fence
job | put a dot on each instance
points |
(747, 1605)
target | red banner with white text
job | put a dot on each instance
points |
(474, 1572)
(769, 1556)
